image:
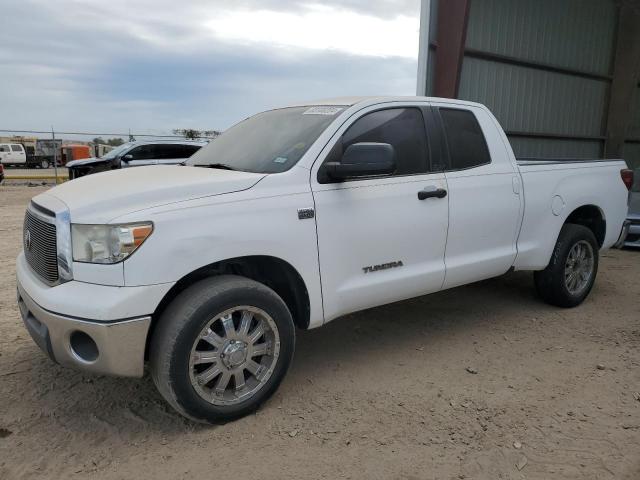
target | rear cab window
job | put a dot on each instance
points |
(464, 138)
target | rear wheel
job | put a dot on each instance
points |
(571, 273)
(221, 348)
(44, 163)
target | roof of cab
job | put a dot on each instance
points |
(372, 100)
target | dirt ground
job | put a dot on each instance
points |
(479, 382)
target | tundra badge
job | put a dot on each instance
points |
(304, 213)
(384, 266)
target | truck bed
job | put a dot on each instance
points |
(527, 161)
(554, 189)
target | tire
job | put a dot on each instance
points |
(203, 311)
(44, 163)
(554, 282)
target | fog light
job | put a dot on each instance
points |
(83, 346)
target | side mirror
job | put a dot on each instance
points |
(363, 160)
(128, 157)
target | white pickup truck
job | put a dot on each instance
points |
(12, 154)
(290, 219)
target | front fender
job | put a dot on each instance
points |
(206, 231)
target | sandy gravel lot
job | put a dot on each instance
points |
(380, 394)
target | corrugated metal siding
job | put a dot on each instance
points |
(570, 34)
(634, 127)
(526, 99)
(577, 34)
(552, 148)
(631, 153)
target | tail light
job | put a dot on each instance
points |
(627, 177)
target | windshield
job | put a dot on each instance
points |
(116, 151)
(269, 142)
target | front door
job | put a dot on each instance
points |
(140, 156)
(5, 153)
(378, 241)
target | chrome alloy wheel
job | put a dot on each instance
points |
(579, 267)
(234, 355)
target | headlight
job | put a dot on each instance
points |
(107, 243)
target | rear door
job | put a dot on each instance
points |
(378, 242)
(485, 204)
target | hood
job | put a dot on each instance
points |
(104, 196)
(86, 161)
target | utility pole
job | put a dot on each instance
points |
(55, 154)
(423, 49)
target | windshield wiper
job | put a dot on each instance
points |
(221, 166)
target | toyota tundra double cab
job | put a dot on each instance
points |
(288, 220)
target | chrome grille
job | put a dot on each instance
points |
(40, 246)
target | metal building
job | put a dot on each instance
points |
(562, 76)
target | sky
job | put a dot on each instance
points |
(150, 66)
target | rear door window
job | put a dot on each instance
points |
(16, 148)
(176, 151)
(164, 151)
(465, 140)
(187, 150)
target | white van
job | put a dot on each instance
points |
(12, 154)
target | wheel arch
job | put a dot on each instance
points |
(591, 217)
(273, 272)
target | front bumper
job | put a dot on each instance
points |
(97, 328)
(112, 348)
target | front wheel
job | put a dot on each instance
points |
(221, 348)
(571, 273)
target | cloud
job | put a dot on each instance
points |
(321, 27)
(156, 65)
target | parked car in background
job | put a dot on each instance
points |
(12, 154)
(136, 154)
(633, 237)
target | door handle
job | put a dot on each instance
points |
(437, 193)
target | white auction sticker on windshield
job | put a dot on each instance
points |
(322, 111)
